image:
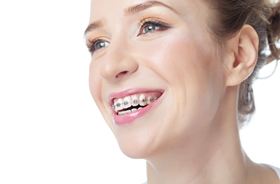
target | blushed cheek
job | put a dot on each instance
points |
(188, 68)
(175, 57)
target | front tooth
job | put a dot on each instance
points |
(128, 111)
(126, 102)
(118, 104)
(124, 112)
(133, 110)
(142, 100)
(134, 100)
(121, 113)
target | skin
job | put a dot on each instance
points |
(197, 139)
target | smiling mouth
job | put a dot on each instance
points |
(132, 103)
(129, 106)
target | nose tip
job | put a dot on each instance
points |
(115, 71)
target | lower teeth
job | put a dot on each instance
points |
(128, 111)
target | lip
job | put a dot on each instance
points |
(129, 118)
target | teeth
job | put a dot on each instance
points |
(142, 100)
(151, 99)
(118, 104)
(126, 102)
(129, 111)
(134, 100)
(124, 112)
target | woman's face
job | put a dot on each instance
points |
(166, 48)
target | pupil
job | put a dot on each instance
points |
(150, 28)
(100, 45)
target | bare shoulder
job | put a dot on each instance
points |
(276, 171)
(261, 174)
(272, 174)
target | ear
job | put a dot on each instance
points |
(242, 57)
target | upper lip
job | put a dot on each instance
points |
(129, 92)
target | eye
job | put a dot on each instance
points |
(97, 44)
(151, 26)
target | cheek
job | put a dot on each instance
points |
(191, 69)
(178, 57)
(95, 84)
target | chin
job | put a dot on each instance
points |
(137, 148)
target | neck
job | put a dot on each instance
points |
(212, 158)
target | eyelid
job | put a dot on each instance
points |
(93, 40)
(153, 19)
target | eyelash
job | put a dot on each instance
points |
(145, 23)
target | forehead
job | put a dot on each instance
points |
(104, 8)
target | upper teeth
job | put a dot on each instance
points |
(133, 100)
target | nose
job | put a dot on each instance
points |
(119, 63)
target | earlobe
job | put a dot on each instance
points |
(244, 55)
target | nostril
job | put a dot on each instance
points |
(121, 73)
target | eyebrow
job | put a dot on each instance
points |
(143, 6)
(130, 11)
(94, 25)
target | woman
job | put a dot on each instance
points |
(172, 79)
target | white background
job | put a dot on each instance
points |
(50, 129)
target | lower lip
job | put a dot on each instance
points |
(129, 118)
